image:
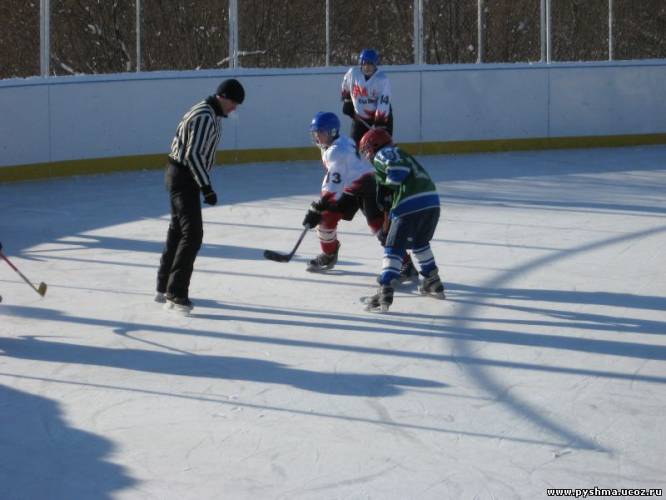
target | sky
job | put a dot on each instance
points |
(545, 367)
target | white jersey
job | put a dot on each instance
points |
(344, 169)
(371, 97)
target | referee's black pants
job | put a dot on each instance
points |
(185, 233)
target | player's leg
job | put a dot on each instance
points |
(328, 241)
(378, 220)
(394, 251)
(367, 199)
(424, 231)
(389, 122)
(408, 271)
(357, 131)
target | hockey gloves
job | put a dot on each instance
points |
(381, 236)
(348, 108)
(210, 198)
(313, 216)
(384, 197)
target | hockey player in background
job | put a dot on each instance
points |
(414, 214)
(188, 178)
(348, 185)
(366, 96)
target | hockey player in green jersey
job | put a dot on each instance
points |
(414, 213)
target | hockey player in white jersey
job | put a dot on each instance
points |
(349, 185)
(366, 96)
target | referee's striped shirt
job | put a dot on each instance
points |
(196, 140)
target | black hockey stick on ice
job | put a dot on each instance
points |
(41, 289)
(286, 257)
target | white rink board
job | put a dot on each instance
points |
(107, 116)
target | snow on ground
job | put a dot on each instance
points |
(544, 368)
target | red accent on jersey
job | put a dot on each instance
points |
(359, 91)
(380, 118)
(356, 187)
(328, 197)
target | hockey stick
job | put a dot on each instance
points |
(41, 289)
(362, 121)
(282, 257)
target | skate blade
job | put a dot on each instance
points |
(318, 270)
(276, 256)
(381, 309)
(176, 308)
(408, 279)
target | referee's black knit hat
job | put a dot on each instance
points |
(231, 89)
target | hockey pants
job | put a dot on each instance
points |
(413, 231)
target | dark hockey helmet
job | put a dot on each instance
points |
(374, 140)
(368, 56)
(324, 128)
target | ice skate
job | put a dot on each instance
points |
(323, 262)
(381, 301)
(432, 285)
(178, 304)
(160, 298)
(408, 272)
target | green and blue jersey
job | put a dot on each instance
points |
(413, 189)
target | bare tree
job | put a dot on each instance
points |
(512, 31)
(580, 30)
(450, 31)
(282, 33)
(639, 29)
(19, 38)
(185, 34)
(99, 36)
(92, 37)
(385, 26)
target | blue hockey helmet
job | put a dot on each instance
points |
(368, 56)
(326, 124)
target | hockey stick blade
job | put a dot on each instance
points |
(276, 256)
(42, 286)
(281, 257)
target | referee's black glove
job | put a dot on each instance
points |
(210, 198)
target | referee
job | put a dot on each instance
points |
(188, 173)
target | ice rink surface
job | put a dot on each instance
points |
(544, 368)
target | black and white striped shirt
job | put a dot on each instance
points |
(196, 140)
